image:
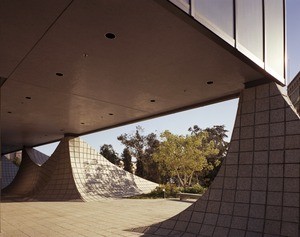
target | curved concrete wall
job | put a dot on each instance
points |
(96, 177)
(75, 171)
(31, 177)
(8, 173)
(256, 192)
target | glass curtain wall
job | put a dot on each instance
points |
(256, 28)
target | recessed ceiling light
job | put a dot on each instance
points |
(110, 35)
(209, 82)
(152, 101)
(59, 74)
(28, 97)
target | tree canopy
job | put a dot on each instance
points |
(141, 147)
(109, 153)
(183, 157)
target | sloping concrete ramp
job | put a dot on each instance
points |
(256, 192)
(75, 171)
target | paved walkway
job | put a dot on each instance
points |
(78, 219)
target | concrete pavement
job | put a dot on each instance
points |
(109, 218)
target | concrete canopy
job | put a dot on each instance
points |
(65, 75)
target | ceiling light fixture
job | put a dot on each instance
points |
(110, 114)
(28, 97)
(110, 35)
(209, 82)
(152, 101)
(59, 74)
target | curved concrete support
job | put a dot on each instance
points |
(256, 192)
(75, 171)
(31, 178)
(9, 171)
(96, 177)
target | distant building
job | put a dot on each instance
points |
(294, 92)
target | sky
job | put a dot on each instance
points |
(207, 116)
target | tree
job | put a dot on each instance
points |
(142, 147)
(217, 135)
(184, 156)
(126, 158)
(109, 153)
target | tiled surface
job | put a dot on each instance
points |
(31, 178)
(75, 171)
(110, 218)
(8, 172)
(256, 192)
(96, 177)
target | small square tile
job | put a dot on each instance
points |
(292, 142)
(257, 211)
(245, 171)
(291, 185)
(262, 104)
(276, 170)
(261, 144)
(291, 199)
(290, 229)
(292, 170)
(258, 197)
(255, 224)
(277, 115)
(290, 214)
(243, 183)
(274, 198)
(239, 222)
(241, 209)
(262, 117)
(262, 130)
(220, 231)
(276, 157)
(272, 227)
(224, 220)
(246, 158)
(277, 143)
(275, 184)
(273, 212)
(242, 196)
(247, 132)
(259, 184)
(207, 230)
(226, 208)
(260, 171)
(261, 157)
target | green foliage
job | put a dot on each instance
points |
(217, 135)
(183, 157)
(142, 147)
(170, 191)
(109, 153)
(196, 188)
(126, 158)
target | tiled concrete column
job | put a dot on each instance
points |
(256, 192)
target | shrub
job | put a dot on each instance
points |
(196, 188)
